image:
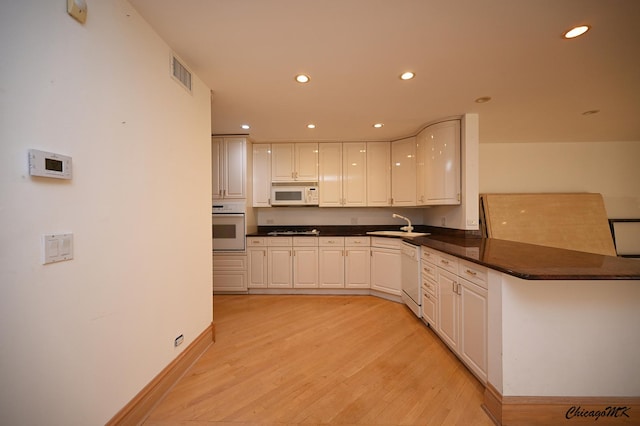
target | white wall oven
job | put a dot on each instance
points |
(228, 227)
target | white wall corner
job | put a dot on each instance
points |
(470, 141)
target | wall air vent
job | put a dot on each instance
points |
(180, 73)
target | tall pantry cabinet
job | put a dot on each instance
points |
(228, 179)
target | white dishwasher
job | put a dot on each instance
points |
(410, 278)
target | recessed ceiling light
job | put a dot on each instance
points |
(591, 112)
(311, 126)
(245, 126)
(302, 78)
(576, 31)
(407, 75)
(378, 125)
(483, 99)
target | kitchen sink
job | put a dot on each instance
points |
(397, 233)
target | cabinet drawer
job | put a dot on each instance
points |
(477, 274)
(279, 241)
(357, 241)
(229, 263)
(448, 263)
(428, 285)
(305, 241)
(429, 270)
(331, 241)
(256, 241)
(429, 255)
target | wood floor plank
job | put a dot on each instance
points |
(347, 360)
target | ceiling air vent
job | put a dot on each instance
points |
(180, 73)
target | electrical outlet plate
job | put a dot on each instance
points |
(178, 340)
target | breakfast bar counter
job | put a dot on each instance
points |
(534, 262)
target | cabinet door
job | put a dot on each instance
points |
(473, 327)
(331, 267)
(282, 162)
(217, 149)
(279, 267)
(421, 167)
(306, 162)
(330, 179)
(357, 267)
(228, 164)
(354, 174)
(443, 163)
(235, 167)
(429, 308)
(261, 175)
(257, 268)
(403, 172)
(305, 267)
(378, 174)
(448, 306)
(385, 270)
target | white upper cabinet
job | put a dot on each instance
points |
(342, 178)
(438, 164)
(292, 162)
(330, 176)
(403, 172)
(378, 174)
(354, 174)
(228, 162)
(261, 175)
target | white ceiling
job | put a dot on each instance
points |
(248, 52)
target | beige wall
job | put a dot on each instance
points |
(609, 168)
(80, 338)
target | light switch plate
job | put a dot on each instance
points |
(57, 247)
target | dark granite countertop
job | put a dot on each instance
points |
(534, 262)
(526, 261)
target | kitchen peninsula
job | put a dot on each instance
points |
(562, 326)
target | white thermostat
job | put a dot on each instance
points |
(49, 164)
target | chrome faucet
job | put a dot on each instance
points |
(407, 228)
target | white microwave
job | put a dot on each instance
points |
(285, 195)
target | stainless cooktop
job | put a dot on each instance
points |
(294, 232)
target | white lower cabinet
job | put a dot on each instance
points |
(331, 262)
(385, 265)
(472, 346)
(305, 262)
(230, 272)
(345, 262)
(279, 262)
(462, 311)
(292, 262)
(357, 262)
(257, 262)
(448, 309)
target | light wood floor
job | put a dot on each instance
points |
(347, 360)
